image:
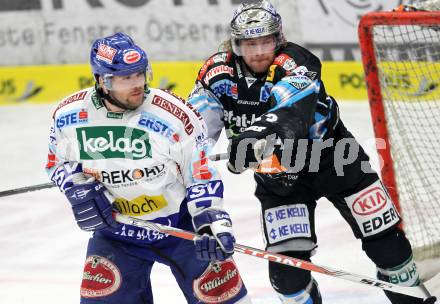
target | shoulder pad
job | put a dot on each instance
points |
(302, 57)
(299, 82)
(186, 103)
(180, 110)
(286, 91)
(81, 95)
(285, 61)
(223, 57)
(304, 71)
(174, 95)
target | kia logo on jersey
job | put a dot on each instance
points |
(370, 201)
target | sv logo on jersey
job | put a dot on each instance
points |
(213, 188)
(62, 176)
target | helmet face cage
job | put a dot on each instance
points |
(118, 55)
(255, 21)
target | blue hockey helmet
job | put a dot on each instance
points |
(117, 55)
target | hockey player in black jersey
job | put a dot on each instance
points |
(269, 96)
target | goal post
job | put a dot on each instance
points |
(401, 59)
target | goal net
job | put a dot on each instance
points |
(401, 57)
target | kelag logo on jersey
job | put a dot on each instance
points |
(74, 117)
(113, 142)
(225, 87)
(159, 126)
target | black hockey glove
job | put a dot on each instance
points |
(430, 300)
(249, 148)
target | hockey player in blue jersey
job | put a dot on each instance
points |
(269, 96)
(143, 152)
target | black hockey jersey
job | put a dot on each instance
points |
(227, 91)
(228, 95)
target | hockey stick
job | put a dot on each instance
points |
(26, 189)
(213, 157)
(418, 291)
(219, 156)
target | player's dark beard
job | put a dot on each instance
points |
(125, 106)
(114, 101)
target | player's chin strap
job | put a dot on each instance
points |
(417, 291)
(111, 99)
(101, 94)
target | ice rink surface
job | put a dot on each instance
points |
(42, 250)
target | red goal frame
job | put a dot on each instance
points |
(366, 42)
